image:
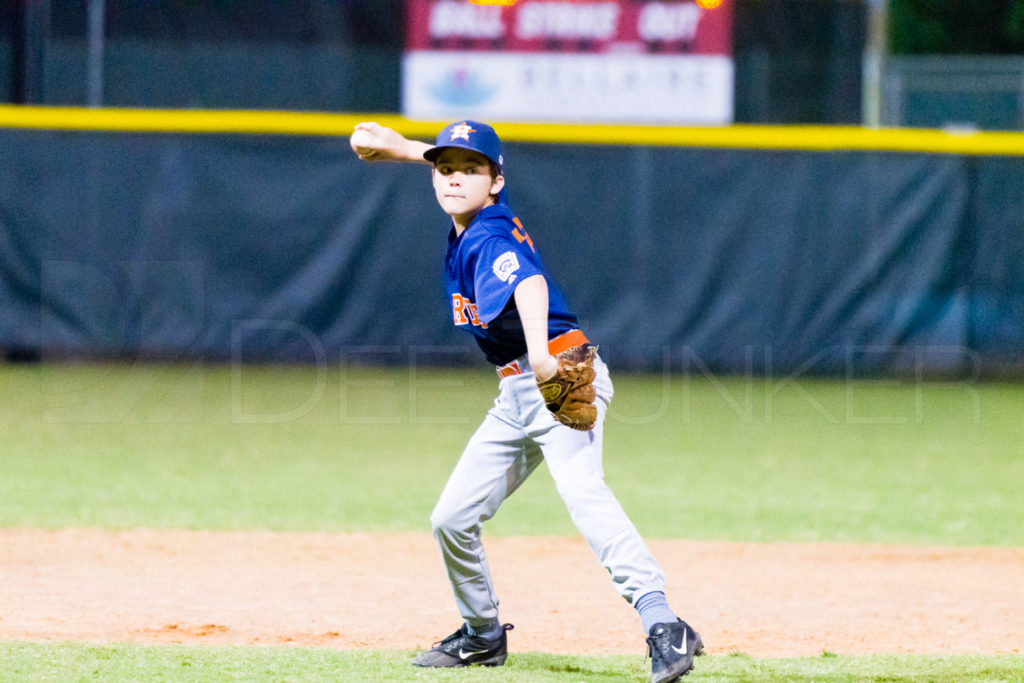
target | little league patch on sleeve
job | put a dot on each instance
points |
(505, 267)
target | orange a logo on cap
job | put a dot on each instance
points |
(461, 131)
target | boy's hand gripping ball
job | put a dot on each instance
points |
(569, 394)
(362, 142)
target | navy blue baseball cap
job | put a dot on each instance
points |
(471, 135)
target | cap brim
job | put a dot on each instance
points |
(433, 153)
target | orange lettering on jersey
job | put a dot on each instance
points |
(464, 311)
(474, 317)
(522, 236)
(459, 309)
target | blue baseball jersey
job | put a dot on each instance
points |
(483, 266)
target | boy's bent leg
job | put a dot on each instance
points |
(574, 459)
(495, 462)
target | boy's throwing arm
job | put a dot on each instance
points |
(374, 142)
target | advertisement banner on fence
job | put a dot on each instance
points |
(622, 61)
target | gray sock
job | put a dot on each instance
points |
(653, 609)
(487, 629)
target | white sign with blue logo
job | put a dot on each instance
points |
(568, 87)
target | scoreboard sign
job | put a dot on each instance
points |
(628, 61)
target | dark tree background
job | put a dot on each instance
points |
(956, 27)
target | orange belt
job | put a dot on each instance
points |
(555, 346)
(510, 370)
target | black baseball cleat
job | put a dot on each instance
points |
(672, 648)
(462, 649)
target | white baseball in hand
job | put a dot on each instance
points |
(361, 142)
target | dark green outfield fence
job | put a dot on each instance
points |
(260, 237)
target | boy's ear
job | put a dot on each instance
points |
(497, 184)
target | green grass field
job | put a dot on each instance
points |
(744, 459)
(77, 662)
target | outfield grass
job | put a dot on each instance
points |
(323, 450)
(336, 449)
(80, 662)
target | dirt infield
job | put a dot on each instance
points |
(389, 591)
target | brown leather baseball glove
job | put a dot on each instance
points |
(569, 394)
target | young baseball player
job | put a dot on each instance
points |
(553, 396)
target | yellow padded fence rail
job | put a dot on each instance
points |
(798, 138)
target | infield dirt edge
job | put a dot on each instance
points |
(388, 591)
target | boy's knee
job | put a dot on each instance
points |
(452, 524)
(438, 523)
(445, 523)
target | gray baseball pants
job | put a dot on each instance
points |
(516, 435)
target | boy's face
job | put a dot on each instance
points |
(463, 183)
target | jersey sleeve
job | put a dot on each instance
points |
(501, 265)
